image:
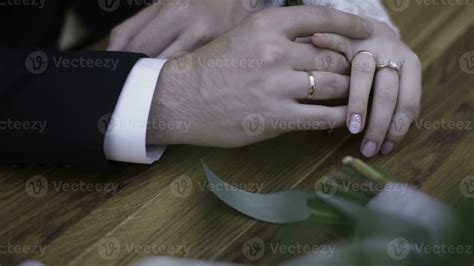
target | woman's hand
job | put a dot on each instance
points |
(397, 95)
(245, 86)
(171, 30)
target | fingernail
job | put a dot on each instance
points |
(319, 36)
(370, 149)
(387, 147)
(356, 124)
(368, 26)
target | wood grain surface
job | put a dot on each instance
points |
(113, 218)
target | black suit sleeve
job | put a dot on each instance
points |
(54, 105)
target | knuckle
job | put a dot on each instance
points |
(180, 12)
(323, 13)
(202, 31)
(338, 83)
(135, 47)
(377, 131)
(271, 54)
(117, 32)
(387, 95)
(202, 28)
(261, 20)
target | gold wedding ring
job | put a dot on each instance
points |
(365, 52)
(312, 84)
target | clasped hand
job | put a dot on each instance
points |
(230, 103)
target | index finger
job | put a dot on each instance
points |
(303, 21)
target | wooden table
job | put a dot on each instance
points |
(152, 207)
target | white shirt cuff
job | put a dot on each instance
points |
(125, 140)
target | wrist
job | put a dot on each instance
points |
(165, 111)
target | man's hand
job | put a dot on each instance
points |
(166, 31)
(245, 86)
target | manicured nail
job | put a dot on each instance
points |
(370, 149)
(356, 124)
(369, 28)
(387, 147)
